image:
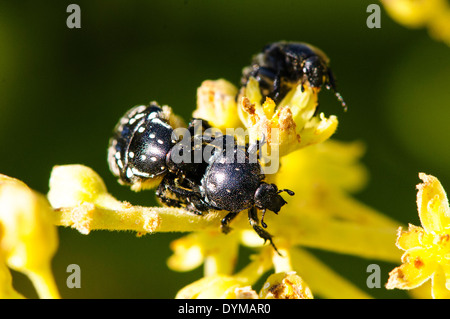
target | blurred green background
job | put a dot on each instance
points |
(63, 90)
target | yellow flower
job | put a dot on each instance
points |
(322, 214)
(427, 248)
(216, 103)
(289, 126)
(285, 285)
(433, 14)
(28, 238)
(281, 285)
(324, 217)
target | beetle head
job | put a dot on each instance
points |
(267, 197)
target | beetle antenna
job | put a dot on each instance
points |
(332, 85)
(341, 99)
(287, 191)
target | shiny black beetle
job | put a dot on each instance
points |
(233, 182)
(226, 178)
(142, 138)
(281, 65)
(140, 153)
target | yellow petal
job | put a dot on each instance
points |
(187, 254)
(302, 102)
(439, 284)
(252, 92)
(285, 285)
(216, 103)
(417, 268)
(410, 238)
(4, 179)
(29, 239)
(71, 185)
(432, 203)
(221, 252)
(218, 251)
(318, 130)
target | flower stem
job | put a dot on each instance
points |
(87, 217)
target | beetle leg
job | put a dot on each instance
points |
(276, 87)
(170, 202)
(226, 220)
(162, 194)
(253, 219)
(263, 224)
(173, 195)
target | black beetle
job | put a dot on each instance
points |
(142, 138)
(140, 150)
(233, 182)
(141, 153)
(281, 65)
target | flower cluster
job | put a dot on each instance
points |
(427, 248)
(322, 172)
(323, 214)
